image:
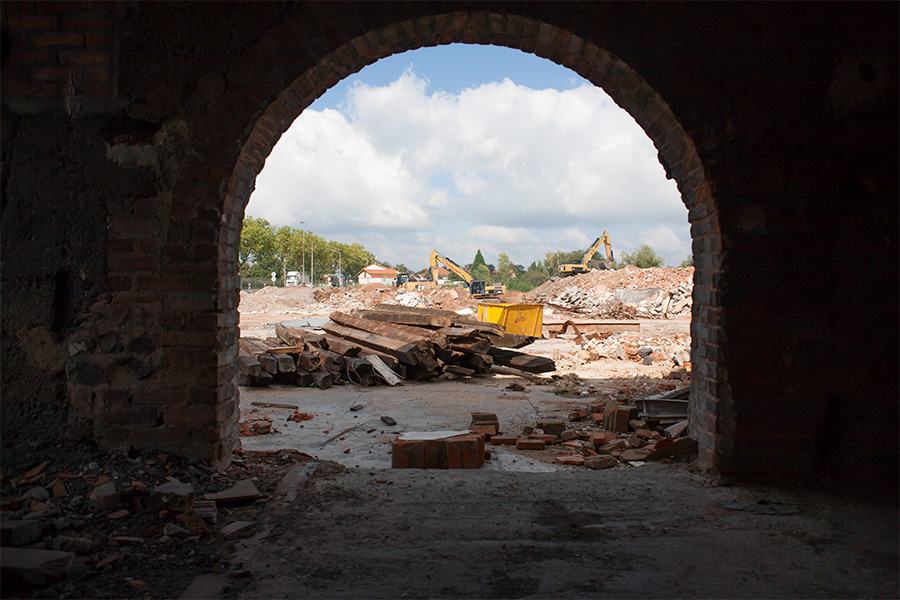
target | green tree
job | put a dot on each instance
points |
(257, 244)
(506, 267)
(688, 262)
(481, 272)
(479, 260)
(644, 257)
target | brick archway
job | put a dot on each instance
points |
(712, 421)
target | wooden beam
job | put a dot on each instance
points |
(403, 351)
(381, 328)
(520, 360)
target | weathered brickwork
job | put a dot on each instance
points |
(783, 148)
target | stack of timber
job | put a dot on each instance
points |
(386, 344)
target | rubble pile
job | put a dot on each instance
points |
(305, 300)
(276, 300)
(389, 344)
(607, 434)
(86, 524)
(627, 293)
(673, 350)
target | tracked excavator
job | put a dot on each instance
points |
(477, 287)
(410, 282)
(582, 267)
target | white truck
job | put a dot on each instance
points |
(292, 279)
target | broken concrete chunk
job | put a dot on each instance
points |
(37, 493)
(33, 567)
(238, 529)
(682, 357)
(552, 427)
(604, 461)
(20, 533)
(174, 531)
(567, 435)
(104, 496)
(357, 407)
(78, 545)
(243, 491)
(389, 421)
(172, 495)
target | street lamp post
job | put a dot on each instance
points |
(340, 265)
(303, 255)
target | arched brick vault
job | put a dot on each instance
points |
(119, 276)
(628, 89)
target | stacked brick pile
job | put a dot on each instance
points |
(602, 436)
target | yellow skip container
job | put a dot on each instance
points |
(524, 319)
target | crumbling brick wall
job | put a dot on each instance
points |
(778, 123)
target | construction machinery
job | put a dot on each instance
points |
(477, 287)
(582, 267)
(411, 282)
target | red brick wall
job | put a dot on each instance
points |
(785, 157)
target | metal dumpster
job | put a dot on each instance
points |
(524, 319)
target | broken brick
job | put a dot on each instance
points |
(464, 451)
(603, 461)
(104, 496)
(504, 440)
(612, 446)
(530, 443)
(578, 415)
(570, 459)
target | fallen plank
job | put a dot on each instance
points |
(408, 315)
(302, 378)
(308, 361)
(268, 363)
(476, 346)
(403, 351)
(322, 378)
(519, 360)
(285, 363)
(275, 405)
(295, 336)
(381, 328)
(341, 346)
(459, 370)
(248, 365)
(382, 369)
(436, 338)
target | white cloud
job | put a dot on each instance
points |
(499, 167)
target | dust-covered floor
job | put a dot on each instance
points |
(661, 531)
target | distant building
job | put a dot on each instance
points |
(375, 273)
(443, 276)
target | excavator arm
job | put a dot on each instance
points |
(582, 267)
(476, 286)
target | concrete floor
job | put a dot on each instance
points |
(415, 406)
(525, 528)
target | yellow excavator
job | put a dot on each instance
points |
(577, 268)
(410, 282)
(477, 287)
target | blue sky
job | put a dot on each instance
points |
(459, 148)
